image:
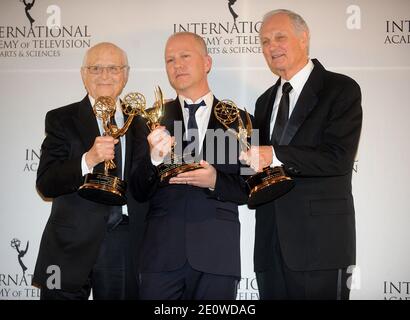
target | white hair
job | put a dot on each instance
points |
(297, 21)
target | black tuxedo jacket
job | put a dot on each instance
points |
(186, 222)
(315, 221)
(76, 227)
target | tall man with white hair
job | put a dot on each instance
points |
(88, 245)
(309, 123)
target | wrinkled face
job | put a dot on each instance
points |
(285, 50)
(187, 65)
(106, 83)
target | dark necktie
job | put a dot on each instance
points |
(192, 108)
(283, 114)
(115, 217)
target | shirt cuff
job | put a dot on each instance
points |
(156, 163)
(275, 161)
(84, 167)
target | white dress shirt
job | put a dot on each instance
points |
(202, 115)
(297, 82)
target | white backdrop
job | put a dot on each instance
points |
(367, 40)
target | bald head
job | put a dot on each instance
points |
(105, 47)
(105, 70)
(198, 40)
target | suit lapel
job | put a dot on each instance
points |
(267, 114)
(173, 112)
(307, 101)
(129, 138)
(173, 117)
(213, 123)
(86, 123)
(128, 145)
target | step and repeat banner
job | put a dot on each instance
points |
(42, 43)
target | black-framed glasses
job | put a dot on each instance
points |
(110, 69)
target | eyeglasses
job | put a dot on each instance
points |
(110, 69)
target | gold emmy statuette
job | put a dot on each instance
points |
(264, 186)
(174, 165)
(104, 187)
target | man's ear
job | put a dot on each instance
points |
(82, 72)
(208, 63)
(126, 77)
(304, 39)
